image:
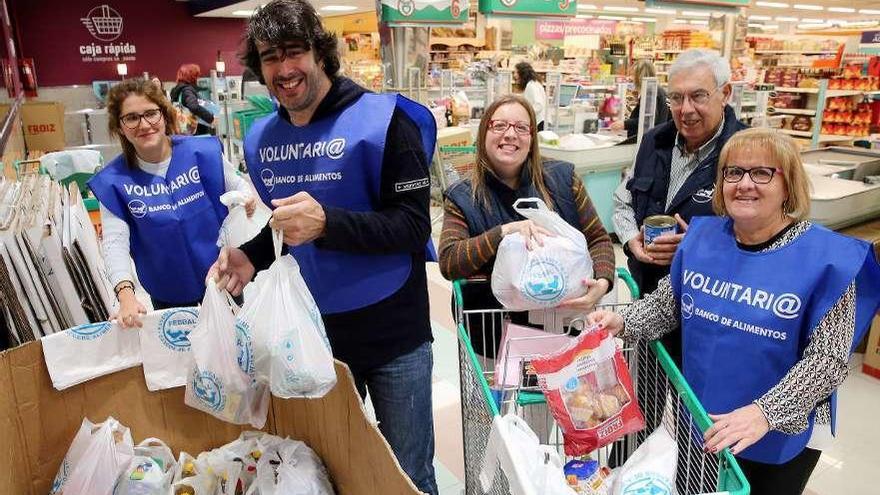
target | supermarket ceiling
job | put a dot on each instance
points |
(806, 11)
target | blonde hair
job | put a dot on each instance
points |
(783, 153)
(533, 159)
(640, 70)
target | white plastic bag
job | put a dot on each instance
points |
(651, 468)
(98, 454)
(165, 346)
(219, 383)
(547, 275)
(290, 468)
(291, 349)
(88, 351)
(237, 228)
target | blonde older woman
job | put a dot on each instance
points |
(639, 70)
(770, 305)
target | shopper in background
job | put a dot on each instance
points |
(532, 90)
(674, 169)
(769, 313)
(158, 83)
(640, 70)
(186, 93)
(354, 210)
(478, 211)
(160, 202)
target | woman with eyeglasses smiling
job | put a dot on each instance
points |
(478, 211)
(770, 307)
(160, 202)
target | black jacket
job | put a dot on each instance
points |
(374, 335)
(650, 183)
(188, 96)
(662, 114)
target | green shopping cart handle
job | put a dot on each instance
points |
(526, 398)
(630, 282)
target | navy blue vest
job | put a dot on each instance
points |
(338, 161)
(174, 222)
(558, 177)
(747, 317)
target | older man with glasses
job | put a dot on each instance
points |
(674, 170)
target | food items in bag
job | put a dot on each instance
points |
(586, 477)
(590, 392)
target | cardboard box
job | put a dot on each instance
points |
(871, 364)
(43, 125)
(37, 425)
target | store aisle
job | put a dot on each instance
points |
(846, 468)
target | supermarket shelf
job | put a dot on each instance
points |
(773, 52)
(829, 93)
(823, 138)
(794, 111)
(668, 51)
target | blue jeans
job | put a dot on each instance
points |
(401, 395)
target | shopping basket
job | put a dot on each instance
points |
(663, 395)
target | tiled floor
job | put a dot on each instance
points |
(848, 468)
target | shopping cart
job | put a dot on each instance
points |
(663, 395)
(454, 163)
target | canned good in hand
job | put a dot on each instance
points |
(657, 225)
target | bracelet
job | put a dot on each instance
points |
(119, 288)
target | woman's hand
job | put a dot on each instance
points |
(250, 206)
(609, 320)
(529, 230)
(617, 125)
(130, 310)
(595, 290)
(737, 430)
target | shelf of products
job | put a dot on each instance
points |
(823, 138)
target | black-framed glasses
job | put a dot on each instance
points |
(132, 120)
(501, 126)
(759, 175)
(698, 98)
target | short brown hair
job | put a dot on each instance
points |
(533, 159)
(140, 87)
(784, 154)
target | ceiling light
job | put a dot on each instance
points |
(611, 18)
(755, 25)
(845, 10)
(771, 26)
(869, 11)
(858, 23)
(802, 6)
(338, 8)
(587, 6)
(660, 11)
(759, 18)
(813, 21)
(584, 16)
(772, 5)
(699, 22)
(644, 19)
(620, 9)
(242, 13)
(680, 21)
(695, 13)
(787, 19)
(815, 26)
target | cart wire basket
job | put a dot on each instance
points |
(454, 163)
(663, 395)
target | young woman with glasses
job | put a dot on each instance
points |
(160, 202)
(770, 306)
(478, 211)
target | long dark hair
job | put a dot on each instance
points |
(284, 21)
(525, 73)
(139, 87)
(533, 159)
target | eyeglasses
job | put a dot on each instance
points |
(698, 98)
(501, 127)
(759, 175)
(133, 120)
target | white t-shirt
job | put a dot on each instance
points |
(535, 95)
(116, 232)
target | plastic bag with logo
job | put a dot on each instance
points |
(547, 275)
(97, 456)
(589, 390)
(88, 351)
(651, 468)
(290, 344)
(165, 346)
(237, 227)
(290, 467)
(221, 380)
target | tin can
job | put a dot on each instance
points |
(657, 225)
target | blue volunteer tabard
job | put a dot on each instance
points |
(174, 222)
(747, 317)
(338, 161)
